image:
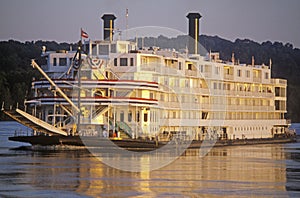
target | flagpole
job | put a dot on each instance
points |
(126, 22)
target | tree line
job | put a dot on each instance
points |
(16, 73)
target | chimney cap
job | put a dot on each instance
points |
(193, 15)
(108, 17)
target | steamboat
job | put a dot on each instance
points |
(144, 97)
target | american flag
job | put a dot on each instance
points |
(84, 34)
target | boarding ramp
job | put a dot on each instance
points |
(34, 123)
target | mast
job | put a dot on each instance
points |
(79, 86)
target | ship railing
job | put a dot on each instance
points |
(162, 69)
(21, 132)
(169, 104)
(278, 81)
(167, 70)
(257, 79)
(191, 73)
(136, 130)
(150, 68)
(207, 74)
(250, 108)
(191, 90)
(180, 105)
(249, 93)
(89, 132)
(63, 123)
(228, 77)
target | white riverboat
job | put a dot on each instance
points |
(113, 88)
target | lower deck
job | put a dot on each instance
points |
(137, 144)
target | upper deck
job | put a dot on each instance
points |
(124, 56)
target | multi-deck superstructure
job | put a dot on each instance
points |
(129, 92)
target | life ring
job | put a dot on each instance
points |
(95, 63)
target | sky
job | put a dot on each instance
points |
(61, 20)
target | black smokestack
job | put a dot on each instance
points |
(108, 27)
(193, 32)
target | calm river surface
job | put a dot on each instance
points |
(240, 171)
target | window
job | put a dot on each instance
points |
(166, 82)
(189, 66)
(123, 62)
(115, 62)
(215, 85)
(277, 105)
(94, 49)
(70, 61)
(182, 98)
(129, 116)
(201, 68)
(217, 70)
(248, 74)
(103, 49)
(62, 62)
(122, 48)
(145, 117)
(176, 82)
(179, 66)
(162, 98)
(113, 48)
(137, 116)
(227, 71)
(87, 48)
(239, 72)
(122, 116)
(187, 83)
(54, 62)
(266, 75)
(151, 96)
(277, 91)
(220, 85)
(204, 115)
(131, 62)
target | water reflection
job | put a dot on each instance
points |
(231, 171)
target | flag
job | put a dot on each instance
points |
(84, 34)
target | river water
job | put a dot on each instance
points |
(271, 170)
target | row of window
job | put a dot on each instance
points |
(228, 71)
(241, 87)
(129, 117)
(218, 115)
(61, 61)
(124, 62)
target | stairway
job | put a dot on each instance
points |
(100, 110)
(123, 128)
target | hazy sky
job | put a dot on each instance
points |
(60, 20)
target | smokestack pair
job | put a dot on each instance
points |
(108, 29)
(193, 32)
